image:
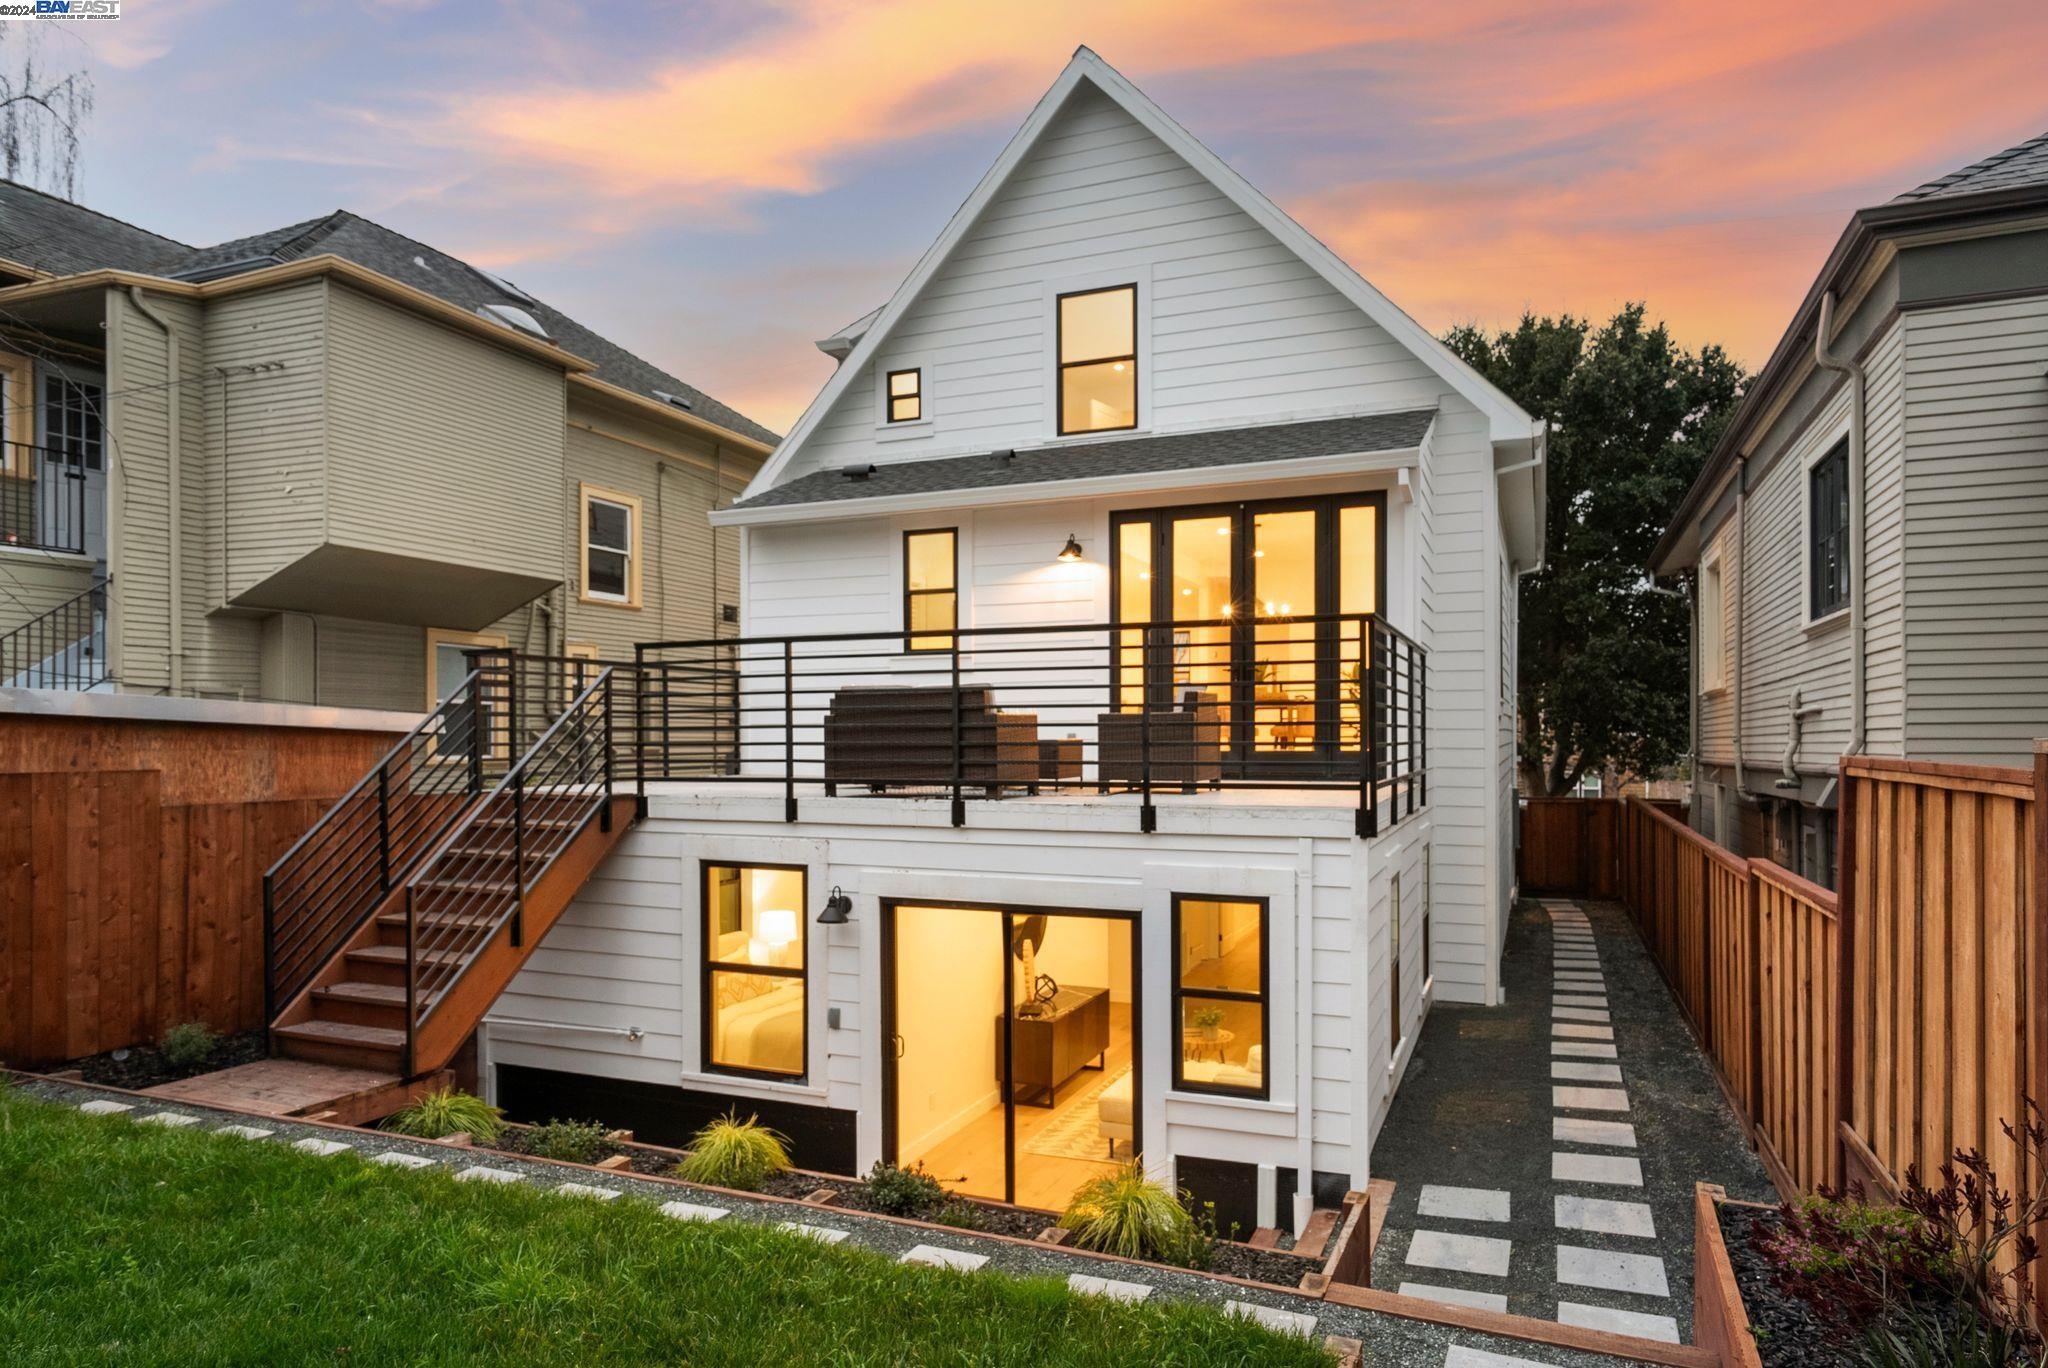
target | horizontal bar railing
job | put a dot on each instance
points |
(1334, 702)
(42, 498)
(322, 890)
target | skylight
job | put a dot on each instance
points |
(512, 316)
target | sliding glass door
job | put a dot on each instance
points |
(1220, 593)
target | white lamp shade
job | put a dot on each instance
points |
(776, 926)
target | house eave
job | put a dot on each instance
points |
(1058, 491)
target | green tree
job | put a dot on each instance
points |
(1633, 416)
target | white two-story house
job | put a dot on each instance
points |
(1117, 754)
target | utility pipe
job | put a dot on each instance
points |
(1741, 565)
(1852, 372)
(176, 514)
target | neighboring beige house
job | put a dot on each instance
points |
(1870, 538)
(379, 455)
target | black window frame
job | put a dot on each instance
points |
(1061, 365)
(1176, 991)
(889, 395)
(1827, 534)
(707, 966)
(911, 635)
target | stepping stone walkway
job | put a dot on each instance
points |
(324, 1148)
(168, 1120)
(1089, 1286)
(585, 1191)
(1571, 1232)
(944, 1258)
(691, 1211)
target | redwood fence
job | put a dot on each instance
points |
(131, 871)
(1859, 1035)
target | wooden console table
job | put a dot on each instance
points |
(1047, 1051)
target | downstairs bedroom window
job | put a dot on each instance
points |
(755, 981)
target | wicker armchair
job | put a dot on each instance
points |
(1186, 744)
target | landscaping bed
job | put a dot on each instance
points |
(1275, 1267)
(1789, 1332)
(145, 1066)
(171, 1246)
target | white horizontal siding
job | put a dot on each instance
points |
(1239, 329)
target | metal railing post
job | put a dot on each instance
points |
(518, 857)
(640, 725)
(1368, 738)
(383, 828)
(788, 730)
(476, 733)
(412, 978)
(269, 953)
(1148, 816)
(959, 759)
(605, 813)
(1422, 735)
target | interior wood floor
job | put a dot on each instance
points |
(971, 1159)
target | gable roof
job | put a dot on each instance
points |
(2009, 187)
(66, 238)
(2025, 164)
(52, 234)
(1368, 434)
(1506, 420)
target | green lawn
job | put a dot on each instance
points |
(129, 1244)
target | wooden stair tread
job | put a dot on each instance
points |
(460, 884)
(342, 1033)
(395, 954)
(379, 994)
(435, 921)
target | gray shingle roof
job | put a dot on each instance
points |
(65, 237)
(2012, 169)
(1115, 456)
(55, 235)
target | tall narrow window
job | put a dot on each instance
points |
(1098, 360)
(17, 414)
(1712, 625)
(1827, 533)
(611, 547)
(1394, 962)
(931, 593)
(754, 981)
(906, 395)
(71, 422)
(1219, 995)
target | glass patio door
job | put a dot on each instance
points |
(1223, 591)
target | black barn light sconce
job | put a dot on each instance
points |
(1071, 551)
(838, 909)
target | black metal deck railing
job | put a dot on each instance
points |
(1335, 702)
(42, 498)
(63, 648)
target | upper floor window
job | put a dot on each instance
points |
(71, 422)
(931, 594)
(1712, 626)
(611, 547)
(1098, 359)
(1827, 533)
(906, 395)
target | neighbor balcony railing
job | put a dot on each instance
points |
(42, 498)
(1335, 702)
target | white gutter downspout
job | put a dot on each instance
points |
(175, 517)
(1741, 565)
(1853, 373)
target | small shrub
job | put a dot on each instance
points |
(189, 1045)
(909, 1191)
(960, 1215)
(732, 1153)
(575, 1142)
(446, 1111)
(1127, 1213)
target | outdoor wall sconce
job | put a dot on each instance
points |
(838, 909)
(1071, 551)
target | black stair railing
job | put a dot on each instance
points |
(322, 890)
(474, 885)
(64, 648)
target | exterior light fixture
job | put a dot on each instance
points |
(838, 909)
(1071, 551)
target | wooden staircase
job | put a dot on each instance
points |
(387, 963)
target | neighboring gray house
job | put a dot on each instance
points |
(1870, 538)
(381, 455)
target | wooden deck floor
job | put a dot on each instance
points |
(293, 1087)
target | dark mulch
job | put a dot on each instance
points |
(1262, 1265)
(519, 1140)
(144, 1066)
(1789, 1332)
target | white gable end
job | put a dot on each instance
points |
(1235, 327)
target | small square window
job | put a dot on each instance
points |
(906, 395)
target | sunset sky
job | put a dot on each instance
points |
(714, 185)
